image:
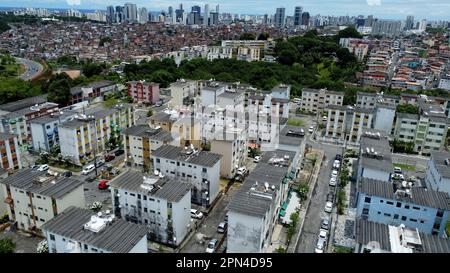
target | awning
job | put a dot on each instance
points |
(282, 213)
(284, 206)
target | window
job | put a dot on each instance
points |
(395, 216)
(403, 218)
(412, 220)
(390, 203)
(406, 206)
(52, 237)
(416, 208)
(387, 215)
(367, 200)
(399, 205)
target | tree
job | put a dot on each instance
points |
(247, 36)
(91, 69)
(7, 246)
(349, 32)
(407, 108)
(295, 218)
(263, 36)
(150, 113)
(59, 89)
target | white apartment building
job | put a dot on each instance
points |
(78, 138)
(444, 83)
(315, 100)
(10, 157)
(438, 171)
(232, 145)
(210, 92)
(374, 158)
(199, 168)
(254, 209)
(249, 54)
(160, 203)
(33, 197)
(141, 140)
(219, 52)
(182, 93)
(78, 230)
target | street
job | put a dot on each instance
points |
(33, 69)
(308, 238)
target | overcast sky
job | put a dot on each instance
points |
(430, 9)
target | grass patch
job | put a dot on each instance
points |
(447, 229)
(405, 167)
(343, 249)
(295, 122)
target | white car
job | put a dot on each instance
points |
(196, 214)
(311, 129)
(334, 173)
(336, 164)
(43, 168)
(241, 171)
(88, 169)
(257, 159)
(323, 234)
(320, 246)
(333, 181)
(397, 170)
(211, 246)
(324, 118)
(328, 207)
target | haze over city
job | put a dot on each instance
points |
(395, 9)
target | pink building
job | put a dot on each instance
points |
(146, 92)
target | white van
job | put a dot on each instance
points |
(88, 169)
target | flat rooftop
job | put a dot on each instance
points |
(201, 158)
(439, 159)
(118, 236)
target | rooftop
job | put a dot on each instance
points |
(187, 155)
(145, 130)
(159, 187)
(41, 183)
(375, 152)
(442, 161)
(290, 135)
(399, 239)
(118, 236)
(25, 103)
(416, 195)
(161, 117)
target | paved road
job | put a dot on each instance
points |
(33, 69)
(308, 238)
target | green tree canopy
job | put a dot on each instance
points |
(247, 36)
(7, 246)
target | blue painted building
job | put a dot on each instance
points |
(397, 203)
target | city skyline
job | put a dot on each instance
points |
(394, 9)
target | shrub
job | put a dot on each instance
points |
(7, 246)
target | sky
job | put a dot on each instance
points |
(395, 9)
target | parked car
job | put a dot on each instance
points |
(100, 162)
(398, 170)
(43, 168)
(119, 152)
(226, 218)
(66, 174)
(323, 234)
(241, 171)
(333, 181)
(330, 197)
(320, 246)
(222, 227)
(336, 164)
(325, 224)
(311, 129)
(88, 169)
(338, 157)
(109, 157)
(211, 246)
(257, 159)
(196, 214)
(334, 173)
(103, 184)
(328, 207)
(324, 118)
(52, 173)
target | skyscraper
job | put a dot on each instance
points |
(214, 18)
(130, 12)
(280, 17)
(206, 16)
(409, 22)
(298, 16)
(387, 27)
(143, 15)
(305, 19)
(110, 14)
(196, 9)
(369, 21)
(120, 16)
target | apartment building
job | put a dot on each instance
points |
(427, 132)
(17, 121)
(250, 226)
(161, 204)
(34, 197)
(142, 91)
(315, 100)
(231, 143)
(402, 203)
(372, 100)
(438, 171)
(141, 140)
(248, 54)
(359, 47)
(162, 119)
(78, 230)
(93, 92)
(374, 157)
(10, 157)
(373, 237)
(348, 123)
(384, 118)
(44, 130)
(199, 168)
(210, 92)
(219, 52)
(444, 83)
(93, 130)
(182, 92)
(262, 44)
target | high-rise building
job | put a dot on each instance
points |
(214, 19)
(119, 14)
(196, 9)
(386, 27)
(409, 22)
(130, 12)
(423, 25)
(280, 17)
(305, 19)
(206, 16)
(217, 9)
(298, 16)
(369, 21)
(143, 15)
(170, 10)
(110, 14)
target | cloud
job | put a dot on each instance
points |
(73, 2)
(373, 2)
